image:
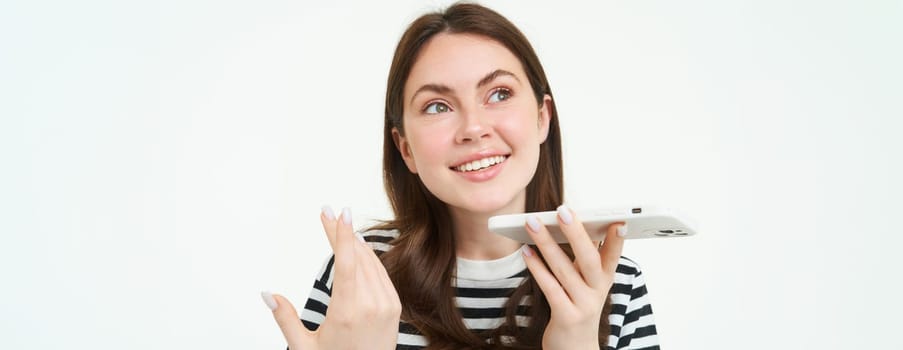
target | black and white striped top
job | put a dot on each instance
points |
(482, 289)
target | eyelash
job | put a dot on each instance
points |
(448, 108)
(437, 103)
(502, 89)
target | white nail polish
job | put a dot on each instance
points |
(269, 300)
(526, 250)
(622, 230)
(533, 223)
(327, 211)
(565, 214)
(346, 215)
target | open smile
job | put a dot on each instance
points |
(480, 164)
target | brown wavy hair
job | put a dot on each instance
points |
(422, 261)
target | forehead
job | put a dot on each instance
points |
(460, 60)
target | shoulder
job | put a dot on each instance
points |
(629, 282)
(631, 319)
(627, 266)
(379, 240)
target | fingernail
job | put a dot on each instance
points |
(622, 230)
(565, 214)
(346, 215)
(526, 250)
(533, 223)
(327, 211)
(269, 300)
(360, 237)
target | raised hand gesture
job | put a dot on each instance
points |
(364, 308)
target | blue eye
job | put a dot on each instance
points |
(499, 95)
(436, 108)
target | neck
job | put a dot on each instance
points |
(474, 241)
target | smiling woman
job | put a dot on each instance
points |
(487, 110)
(471, 131)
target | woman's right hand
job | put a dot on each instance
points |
(364, 308)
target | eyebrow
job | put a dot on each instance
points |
(444, 89)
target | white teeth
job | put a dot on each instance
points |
(481, 163)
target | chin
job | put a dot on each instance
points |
(489, 203)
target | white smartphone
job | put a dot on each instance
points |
(642, 222)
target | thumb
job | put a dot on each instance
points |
(297, 336)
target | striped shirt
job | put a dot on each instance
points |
(482, 289)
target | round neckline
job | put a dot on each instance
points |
(488, 270)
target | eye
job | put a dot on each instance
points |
(499, 95)
(436, 108)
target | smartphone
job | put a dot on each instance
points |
(642, 222)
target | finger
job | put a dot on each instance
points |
(343, 284)
(380, 274)
(327, 217)
(612, 247)
(390, 294)
(368, 274)
(287, 318)
(586, 254)
(559, 263)
(381, 291)
(555, 294)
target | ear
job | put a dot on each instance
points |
(401, 143)
(545, 117)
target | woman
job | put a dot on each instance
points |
(470, 132)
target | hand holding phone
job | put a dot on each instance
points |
(642, 222)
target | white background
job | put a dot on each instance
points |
(164, 162)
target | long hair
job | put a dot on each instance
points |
(422, 261)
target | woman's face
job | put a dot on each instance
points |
(473, 127)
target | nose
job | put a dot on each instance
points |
(474, 126)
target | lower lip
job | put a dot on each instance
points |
(483, 174)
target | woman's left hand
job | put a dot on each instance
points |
(576, 290)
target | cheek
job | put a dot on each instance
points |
(522, 128)
(427, 147)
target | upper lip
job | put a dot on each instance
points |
(477, 156)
